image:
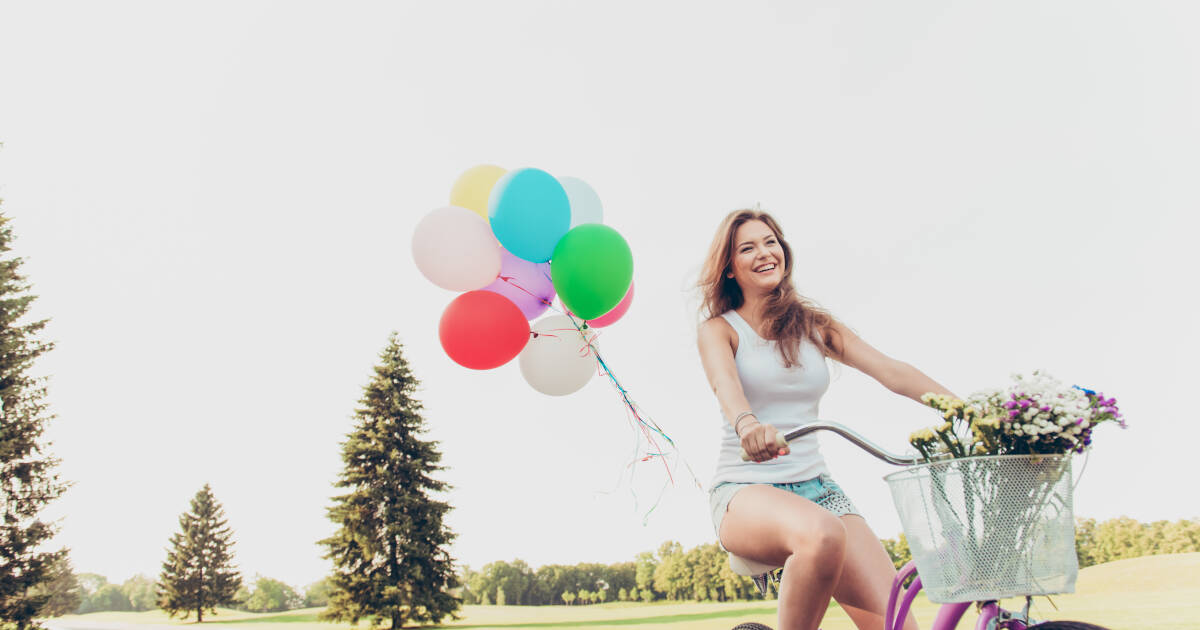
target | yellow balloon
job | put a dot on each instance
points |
(473, 187)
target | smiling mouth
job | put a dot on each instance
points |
(765, 268)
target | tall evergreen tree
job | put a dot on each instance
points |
(27, 478)
(199, 574)
(389, 554)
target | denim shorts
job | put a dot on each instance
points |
(822, 490)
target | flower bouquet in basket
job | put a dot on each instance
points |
(989, 514)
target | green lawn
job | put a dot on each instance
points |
(1159, 592)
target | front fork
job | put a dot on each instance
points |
(991, 615)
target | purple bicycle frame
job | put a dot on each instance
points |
(948, 615)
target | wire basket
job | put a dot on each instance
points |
(984, 528)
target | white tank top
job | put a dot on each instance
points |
(784, 397)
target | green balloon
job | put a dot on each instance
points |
(592, 267)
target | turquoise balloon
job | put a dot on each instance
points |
(529, 212)
(591, 269)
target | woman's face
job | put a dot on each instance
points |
(758, 261)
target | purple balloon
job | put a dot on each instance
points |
(526, 284)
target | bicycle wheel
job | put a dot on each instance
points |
(1065, 625)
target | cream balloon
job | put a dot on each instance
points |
(556, 361)
(455, 249)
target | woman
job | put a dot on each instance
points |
(764, 349)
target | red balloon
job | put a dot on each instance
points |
(482, 330)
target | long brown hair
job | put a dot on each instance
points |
(788, 316)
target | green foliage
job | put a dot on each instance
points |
(898, 550)
(27, 478)
(317, 594)
(1123, 537)
(141, 593)
(271, 595)
(390, 551)
(198, 573)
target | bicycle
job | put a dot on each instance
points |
(940, 504)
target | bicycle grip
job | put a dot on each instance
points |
(779, 440)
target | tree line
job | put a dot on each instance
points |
(702, 573)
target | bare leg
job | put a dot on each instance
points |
(772, 525)
(866, 579)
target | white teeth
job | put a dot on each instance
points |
(766, 268)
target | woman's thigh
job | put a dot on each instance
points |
(867, 575)
(767, 524)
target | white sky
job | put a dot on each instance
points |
(215, 201)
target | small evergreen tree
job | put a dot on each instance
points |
(65, 593)
(389, 554)
(27, 478)
(199, 574)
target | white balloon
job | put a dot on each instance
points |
(585, 203)
(557, 362)
(454, 248)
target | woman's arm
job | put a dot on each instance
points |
(716, 343)
(895, 375)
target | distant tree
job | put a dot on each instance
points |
(501, 598)
(271, 595)
(89, 585)
(199, 574)
(623, 595)
(898, 550)
(140, 590)
(1118, 539)
(647, 595)
(644, 570)
(568, 597)
(65, 593)
(111, 597)
(602, 595)
(317, 594)
(1085, 541)
(671, 576)
(390, 552)
(28, 481)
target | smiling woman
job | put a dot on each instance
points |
(764, 350)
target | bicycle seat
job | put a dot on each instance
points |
(748, 567)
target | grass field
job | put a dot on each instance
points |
(1159, 592)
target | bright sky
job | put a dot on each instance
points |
(216, 200)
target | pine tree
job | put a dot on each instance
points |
(199, 574)
(27, 478)
(389, 554)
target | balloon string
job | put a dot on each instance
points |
(646, 426)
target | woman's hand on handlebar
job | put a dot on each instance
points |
(761, 442)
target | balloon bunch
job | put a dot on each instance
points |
(512, 241)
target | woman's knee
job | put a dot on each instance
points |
(821, 545)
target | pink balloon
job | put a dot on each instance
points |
(617, 312)
(523, 279)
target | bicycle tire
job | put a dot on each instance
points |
(1065, 625)
(750, 625)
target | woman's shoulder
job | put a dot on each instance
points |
(717, 329)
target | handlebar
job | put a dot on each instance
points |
(824, 425)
